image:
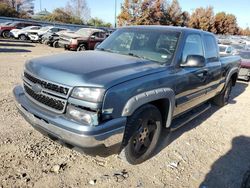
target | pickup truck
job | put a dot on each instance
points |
(140, 80)
(83, 39)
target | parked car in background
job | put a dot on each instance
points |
(52, 39)
(244, 73)
(36, 36)
(83, 39)
(5, 29)
(5, 23)
(22, 34)
(226, 50)
(137, 82)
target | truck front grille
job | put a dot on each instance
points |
(50, 102)
(47, 85)
(49, 95)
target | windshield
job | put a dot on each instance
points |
(154, 45)
(244, 55)
(238, 47)
(222, 48)
(84, 32)
(44, 28)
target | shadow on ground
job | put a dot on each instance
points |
(168, 137)
(16, 45)
(12, 50)
(229, 170)
(15, 41)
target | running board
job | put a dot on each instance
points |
(189, 116)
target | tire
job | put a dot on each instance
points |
(81, 48)
(6, 34)
(56, 44)
(141, 135)
(22, 37)
(223, 98)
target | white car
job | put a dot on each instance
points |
(36, 36)
(22, 34)
(226, 50)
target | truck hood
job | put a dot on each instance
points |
(73, 36)
(91, 68)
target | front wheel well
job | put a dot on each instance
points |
(234, 78)
(163, 106)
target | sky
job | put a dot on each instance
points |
(105, 9)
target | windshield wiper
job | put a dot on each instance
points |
(105, 50)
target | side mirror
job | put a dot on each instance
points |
(92, 37)
(194, 61)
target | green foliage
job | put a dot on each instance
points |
(6, 10)
(97, 22)
(60, 15)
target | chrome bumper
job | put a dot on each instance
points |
(66, 130)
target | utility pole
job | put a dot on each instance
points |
(115, 13)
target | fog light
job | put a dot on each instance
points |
(82, 116)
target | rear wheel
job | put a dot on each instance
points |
(145, 127)
(6, 34)
(223, 98)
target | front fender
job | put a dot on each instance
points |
(149, 96)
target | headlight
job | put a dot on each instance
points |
(82, 116)
(88, 94)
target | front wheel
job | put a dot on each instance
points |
(145, 127)
(81, 48)
(223, 98)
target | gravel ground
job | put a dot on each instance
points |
(211, 151)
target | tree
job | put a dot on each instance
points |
(60, 15)
(6, 10)
(174, 15)
(203, 18)
(97, 22)
(226, 24)
(130, 12)
(78, 8)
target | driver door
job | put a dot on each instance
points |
(191, 83)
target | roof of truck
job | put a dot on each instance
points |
(172, 28)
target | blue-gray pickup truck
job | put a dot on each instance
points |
(140, 80)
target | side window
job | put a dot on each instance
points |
(229, 50)
(211, 48)
(193, 46)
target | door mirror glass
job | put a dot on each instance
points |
(194, 61)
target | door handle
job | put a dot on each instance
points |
(203, 75)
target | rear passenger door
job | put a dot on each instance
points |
(213, 64)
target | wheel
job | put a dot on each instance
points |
(22, 37)
(223, 98)
(81, 48)
(56, 44)
(46, 42)
(142, 133)
(6, 34)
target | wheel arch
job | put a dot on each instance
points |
(162, 98)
